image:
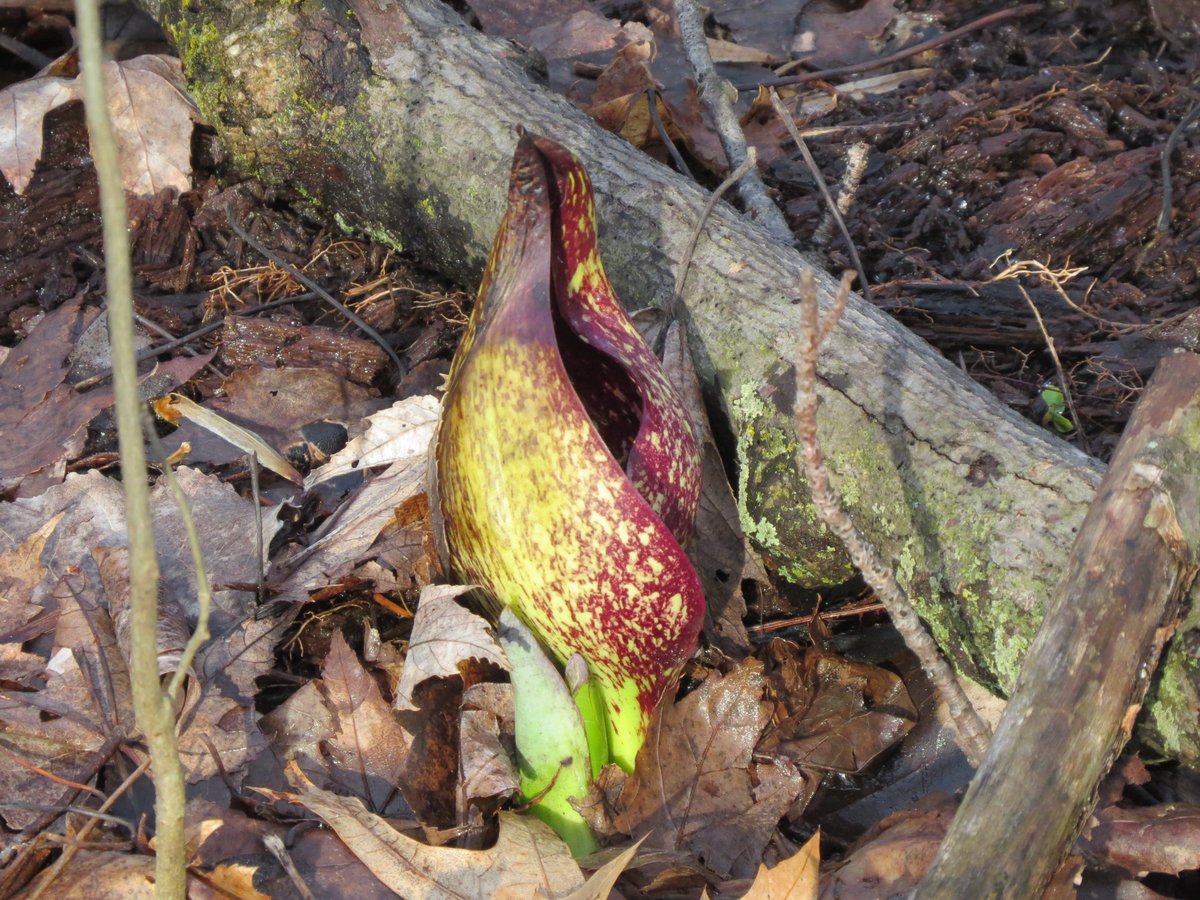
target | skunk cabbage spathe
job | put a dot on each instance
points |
(567, 469)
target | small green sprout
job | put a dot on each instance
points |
(1053, 404)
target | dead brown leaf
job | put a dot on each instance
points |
(600, 883)
(22, 107)
(87, 691)
(722, 556)
(296, 728)
(151, 113)
(487, 747)
(831, 34)
(696, 785)
(564, 33)
(620, 103)
(796, 878)
(768, 25)
(21, 570)
(365, 528)
(430, 776)
(367, 749)
(46, 417)
(276, 403)
(332, 871)
(62, 725)
(93, 516)
(601, 808)
(235, 658)
(528, 859)
(896, 852)
(226, 527)
(172, 630)
(152, 116)
(343, 734)
(398, 433)
(60, 729)
(837, 714)
(227, 848)
(110, 875)
(83, 592)
(444, 634)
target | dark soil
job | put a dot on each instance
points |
(1044, 139)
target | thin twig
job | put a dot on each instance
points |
(71, 849)
(275, 844)
(152, 352)
(320, 291)
(857, 155)
(24, 52)
(725, 120)
(154, 714)
(685, 261)
(676, 158)
(1164, 216)
(848, 612)
(203, 591)
(260, 592)
(151, 325)
(60, 809)
(1058, 367)
(1057, 278)
(914, 50)
(973, 732)
(45, 773)
(786, 118)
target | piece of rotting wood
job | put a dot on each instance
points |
(1133, 563)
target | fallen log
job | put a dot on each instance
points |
(1083, 681)
(397, 119)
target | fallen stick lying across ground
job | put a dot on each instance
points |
(1085, 676)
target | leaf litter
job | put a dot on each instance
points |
(725, 808)
(152, 116)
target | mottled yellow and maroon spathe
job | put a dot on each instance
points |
(568, 471)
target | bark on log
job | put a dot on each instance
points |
(396, 118)
(1087, 672)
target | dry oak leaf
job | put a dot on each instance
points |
(795, 878)
(444, 634)
(22, 108)
(107, 875)
(151, 112)
(697, 785)
(528, 860)
(400, 432)
(365, 753)
(383, 521)
(891, 858)
(601, 882)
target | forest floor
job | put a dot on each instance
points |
(1025, 197)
